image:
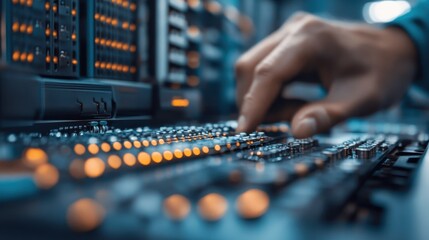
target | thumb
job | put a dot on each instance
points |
(317, 117)
(340, 104)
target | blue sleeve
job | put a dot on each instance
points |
(416, 24)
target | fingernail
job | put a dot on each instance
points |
(306, 127)
(241, 123)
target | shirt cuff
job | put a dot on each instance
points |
(416, 25)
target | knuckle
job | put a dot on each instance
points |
(299, 15)
(316, 32)
(312, 24)
(242, 66)
(249, 98)
(264, 69)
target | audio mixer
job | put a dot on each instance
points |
(117, 122)
(188, 181)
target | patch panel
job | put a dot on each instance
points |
(111, 39)
(43, 35)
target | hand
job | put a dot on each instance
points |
(364, 69)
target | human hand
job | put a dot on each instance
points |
(364, 69)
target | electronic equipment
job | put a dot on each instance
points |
(190, 181)
(115, 124)
(43, 35)
(111, 39)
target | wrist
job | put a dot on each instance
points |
(401, 47)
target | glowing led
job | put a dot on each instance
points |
(212, 207)
(114, 161)
(79, 149)
(301, 169)
(187, 152)
(15, 56)
(168, 155)
(144, 158)
(129, 159)
(15, 27)
(85, 215)
(94, 167)
(180, 103)
(178, 154)
(177, 207)
(217, 148)
(35, 156)
(23, 57)
(93, 149)
(205, 149)
(125, 25)
(137, 144)
(253, 204)
(23, 27)
(30, 57)
(46, 176)
(156, 157)
(196, 151)
(117, 146)
(193, 3)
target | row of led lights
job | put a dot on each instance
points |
(22, 28)
(95, 167)
(29, 58)
(54, 59)
(87, 214)
(125, 4)
(54, 33)
(28, 3)
(22, 56)
(114, 22)
(46, 175)
(55, 9)
(115, 44)
(94, 149)
(115, 67)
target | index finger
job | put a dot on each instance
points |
(282, 64)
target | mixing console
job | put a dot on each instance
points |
(105, 181)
